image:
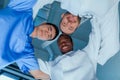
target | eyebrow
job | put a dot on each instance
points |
(50, 29)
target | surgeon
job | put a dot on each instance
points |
(103, 14)
(69, 23)
(74, 64)
(17, 31)
(45, 31)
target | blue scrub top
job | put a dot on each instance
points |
(16, 24)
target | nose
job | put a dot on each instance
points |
(47, 32)
(63, 44)
(71, 19)
(68, 24)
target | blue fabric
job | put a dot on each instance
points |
(29, 63)
(21, 5)
(16, 24)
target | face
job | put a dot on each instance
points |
(69, 23)
(65, 44)
(46, 32)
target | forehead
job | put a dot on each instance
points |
(63, 38)
(48, 26)
(52, 30)
(76, 18)
(69, 14)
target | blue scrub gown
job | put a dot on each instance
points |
(16, 25)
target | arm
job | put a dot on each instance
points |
(109, 27)
(109, 32)
(21, 5)
(44, 66)
(92, 48)
(30, 64)
(38, 74)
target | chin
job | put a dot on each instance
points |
(64, 52)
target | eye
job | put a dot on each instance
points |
(71, 28)
(49, 35)
(63, 24)
(50, 28)
(75, 21)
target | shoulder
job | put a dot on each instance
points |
(21, 5)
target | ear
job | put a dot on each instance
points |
(62, 15)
